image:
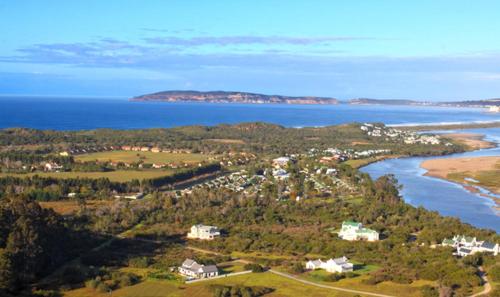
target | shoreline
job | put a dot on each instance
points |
(473, 141)
(463, 172)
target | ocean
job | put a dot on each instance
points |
(81, 113)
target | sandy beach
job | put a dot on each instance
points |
(474, 172)
(472, 140)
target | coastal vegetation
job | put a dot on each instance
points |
(79, 236)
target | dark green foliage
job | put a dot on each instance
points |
(254, 267)
(139, 262)
(239, 291)
(429, 291)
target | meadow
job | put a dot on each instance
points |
(114, 176)
(146, 157)
(153, 288)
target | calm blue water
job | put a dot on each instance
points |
(77, 114)
(447, 198)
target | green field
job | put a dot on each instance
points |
(115, 176)
(283, 288)
(146, 157)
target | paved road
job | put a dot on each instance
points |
(487, 285)
(325, 286)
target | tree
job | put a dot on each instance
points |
(6, 273)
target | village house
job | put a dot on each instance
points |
(158, 165)
(192, 269)
(467, 245)
(144, 149)
(339, 265)
(280, 174)
(354, 231)
(203, 232)
(155, 150)
(126, 148)
(52, 166)
(135, 196)
(281, 161)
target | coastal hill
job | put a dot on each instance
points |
(231, 97)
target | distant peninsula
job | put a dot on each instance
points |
(231, 97)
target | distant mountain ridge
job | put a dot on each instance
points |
(231, 97)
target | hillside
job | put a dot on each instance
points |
(231, 97)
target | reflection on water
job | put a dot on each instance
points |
(447, 198)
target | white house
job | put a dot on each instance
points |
(203, 232)
(467, 245)
(281, 161)
(333, 265)
(52, 166)
(354, 231)
(135, 196)
(192, 269)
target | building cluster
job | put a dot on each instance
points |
(239, 181)
(467, 245)
(339, 265)
(396, 135)
(87, 150)
(355, 231)
(494, 108)
(239, 158)
(338, 155)
(204, 232)
(192, 269)
(153, 149)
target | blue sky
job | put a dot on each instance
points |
(432, 50)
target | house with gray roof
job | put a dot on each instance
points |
(191, 268)
(468, 245)
(339, 265)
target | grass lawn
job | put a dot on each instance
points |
(259, 255)
(283, 288)
(146, 157)
(356, 283)
(231, 267)
(115, 176)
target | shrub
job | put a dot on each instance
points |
(297, 267)
(92, 284)
(103, 287)
(254, 267)
(429, 291)
(139, 262)
(334, 277)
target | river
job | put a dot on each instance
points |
(449, 199)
